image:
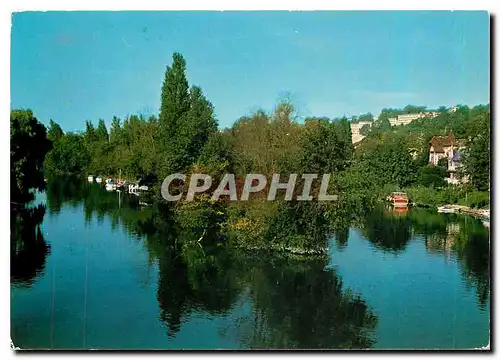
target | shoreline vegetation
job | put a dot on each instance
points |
(185, 138)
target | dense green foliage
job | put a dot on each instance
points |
(28, 146)
(477, 158)
(68, 156)
(432, 176)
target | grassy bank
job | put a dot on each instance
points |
(460, 195)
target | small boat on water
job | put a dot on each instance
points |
(446, 209)
(485, 213)
(90, 178)
(110, 185)
(120, 184)
(398, 199)
(137, 190)
(98, 179)
(133, 188)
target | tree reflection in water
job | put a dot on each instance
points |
(301, 304)
(296, 301)
(461, 236)
(387, 231)
(28, 249)
(464, 237)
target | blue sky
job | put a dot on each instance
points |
(72, 67)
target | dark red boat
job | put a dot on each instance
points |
(399, 199)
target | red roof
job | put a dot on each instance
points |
(440, 142)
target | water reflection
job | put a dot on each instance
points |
(28, 249)
(387, 230)
(450, 235)
(341, 237)
(466, 238)
(195, 280)
(67, 191)
(297, 303)
(302, 304)
(290, 301)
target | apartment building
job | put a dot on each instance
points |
(355, 128)
(405, 119)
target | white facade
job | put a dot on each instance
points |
(405, 119)
(355, 128)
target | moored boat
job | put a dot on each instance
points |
(110, 185)
(399, 199)
(90, 178)
(132, 188)
(485, 213)
(447, 209)
(98, 179)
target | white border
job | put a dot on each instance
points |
(252, 5)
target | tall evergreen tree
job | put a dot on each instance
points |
(200, 121)
(174, 106)
(174, 95)
(186, 120)
(55, 132)
(102, 131)
(115, 132)
(90, 134)
(344, 135)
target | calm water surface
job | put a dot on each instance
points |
(91, 273)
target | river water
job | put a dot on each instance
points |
(89, 271)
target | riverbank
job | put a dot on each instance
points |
(456, 209)
(462, 197)
(297, 252)
(461, 209)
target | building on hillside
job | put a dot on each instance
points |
(355, 129)
(405, 119)
(450, 148)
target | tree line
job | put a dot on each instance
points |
(185, 137)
